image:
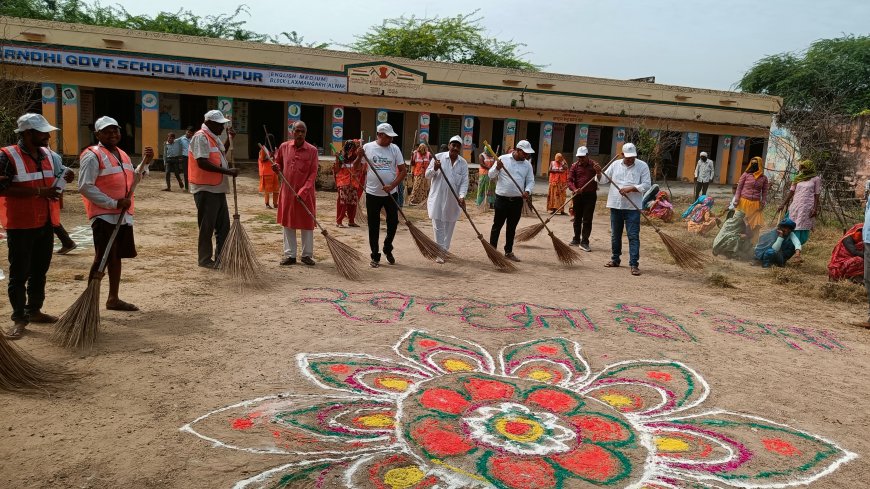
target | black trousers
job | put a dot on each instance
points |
(173, 165)
(584, 209)
(507, 210)
(213, 218)
(374, 204)
(701, 189)
(30, 253)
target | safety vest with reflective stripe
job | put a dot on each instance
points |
(115, 179)
(32, 211)
(199, 176)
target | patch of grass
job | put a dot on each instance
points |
(844, 292)
(786, 275)
(720, 280)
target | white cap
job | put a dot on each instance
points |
(387, 129)
(582, 151)
(456, 139)
(216, 116)
(703, 153)
(104, 122)
(34, 121)
(525, 147)
(629, 150)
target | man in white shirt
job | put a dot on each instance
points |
(509, 198)
(386, 159)
(633, 179)
(443, 207)
(703, 174)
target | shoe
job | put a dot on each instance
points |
(574, 242)
(41, 317)
(512, 257)
(208, 264)
(374, 264)
(308, 261)
(635, 271)
(438, 259)
(287, 261)
(167, 189)
(390, 258)
(585, 247)
(66, 249)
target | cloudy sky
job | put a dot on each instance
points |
(698, 43)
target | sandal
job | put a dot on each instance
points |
(611, 264)
(16, 332)
(635, 271)
(121, 306)
(374, 264)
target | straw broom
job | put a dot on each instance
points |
(564, 253)
(684, 256)
(19, 372)
(529, 232)
(346, 259)
(79, 326)
(493, 254)
(237, 258)
(428, 248)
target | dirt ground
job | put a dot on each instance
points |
(769, 346)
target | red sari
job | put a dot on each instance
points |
(299, 166)
(843, 264)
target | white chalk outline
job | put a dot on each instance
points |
(303, 363)
(487, 369)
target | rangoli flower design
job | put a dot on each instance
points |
(446, 415)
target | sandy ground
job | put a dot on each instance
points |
(198, 344)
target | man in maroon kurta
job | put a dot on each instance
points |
(297, 160)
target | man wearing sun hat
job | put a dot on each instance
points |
(509, 198)
(446, 170)
(703, 174)
(29, 210)
(584, 174)
(632, 177)
(207, 175)
(386, 159)
(106, 178)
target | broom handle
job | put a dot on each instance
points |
(579, 190)
(232, 162)
(105, 258)
(529, 200)
(302, 202)
(456, 196)
(364, 155)
(648, 220)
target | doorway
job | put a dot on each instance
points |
(120, 105)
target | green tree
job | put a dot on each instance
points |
(450, 39)
(833, 73)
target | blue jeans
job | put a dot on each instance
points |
(630, 219)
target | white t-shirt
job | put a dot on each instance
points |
(385, 161)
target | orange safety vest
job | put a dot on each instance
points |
(114, 180)
(29, 212)
(199, 176)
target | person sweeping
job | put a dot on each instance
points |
(508, 197)
(446, 171)
(387, 170)
(105, 178)
(630, 178)
(297, 161)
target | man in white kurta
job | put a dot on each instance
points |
(443, 207)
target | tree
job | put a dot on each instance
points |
(221, 26)
(450, 39)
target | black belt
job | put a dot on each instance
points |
(507, 198)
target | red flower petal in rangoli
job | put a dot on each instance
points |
(591, 462)
(440, 439)
(553, 400)
(518, 473)
(656, 375)
(444, 400)
(242, 423)
(781, 447)
(485, 390)
(600, 429)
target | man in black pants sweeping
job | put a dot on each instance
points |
(509, 198)
(386, 159)
(584, 174)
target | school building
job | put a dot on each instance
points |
(155, 83)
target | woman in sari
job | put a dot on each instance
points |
(847, 259)
(485, 187)
(702, 219)
(733, 240)
(558, 183)
(420, 186)
(661, 208)
(751, 194)
(345, 169)
(806, 187)
(268, 179)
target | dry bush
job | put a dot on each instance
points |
(844, 292)
(786, 275)
(719, 280)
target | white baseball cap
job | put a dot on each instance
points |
(629, 150)
(456, 139)
(387, 129)
(582, 151)
(216, 116)
(525, 147)
(703, 153)
(104, 122)
(34, 121)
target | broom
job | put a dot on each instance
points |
(428, 248)
(20, 372)
(346, 259)
(79, 326)
(529, 232)
(684, 256)
(564, 253)
(237, 257)
(360, 199)
(494, 256)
